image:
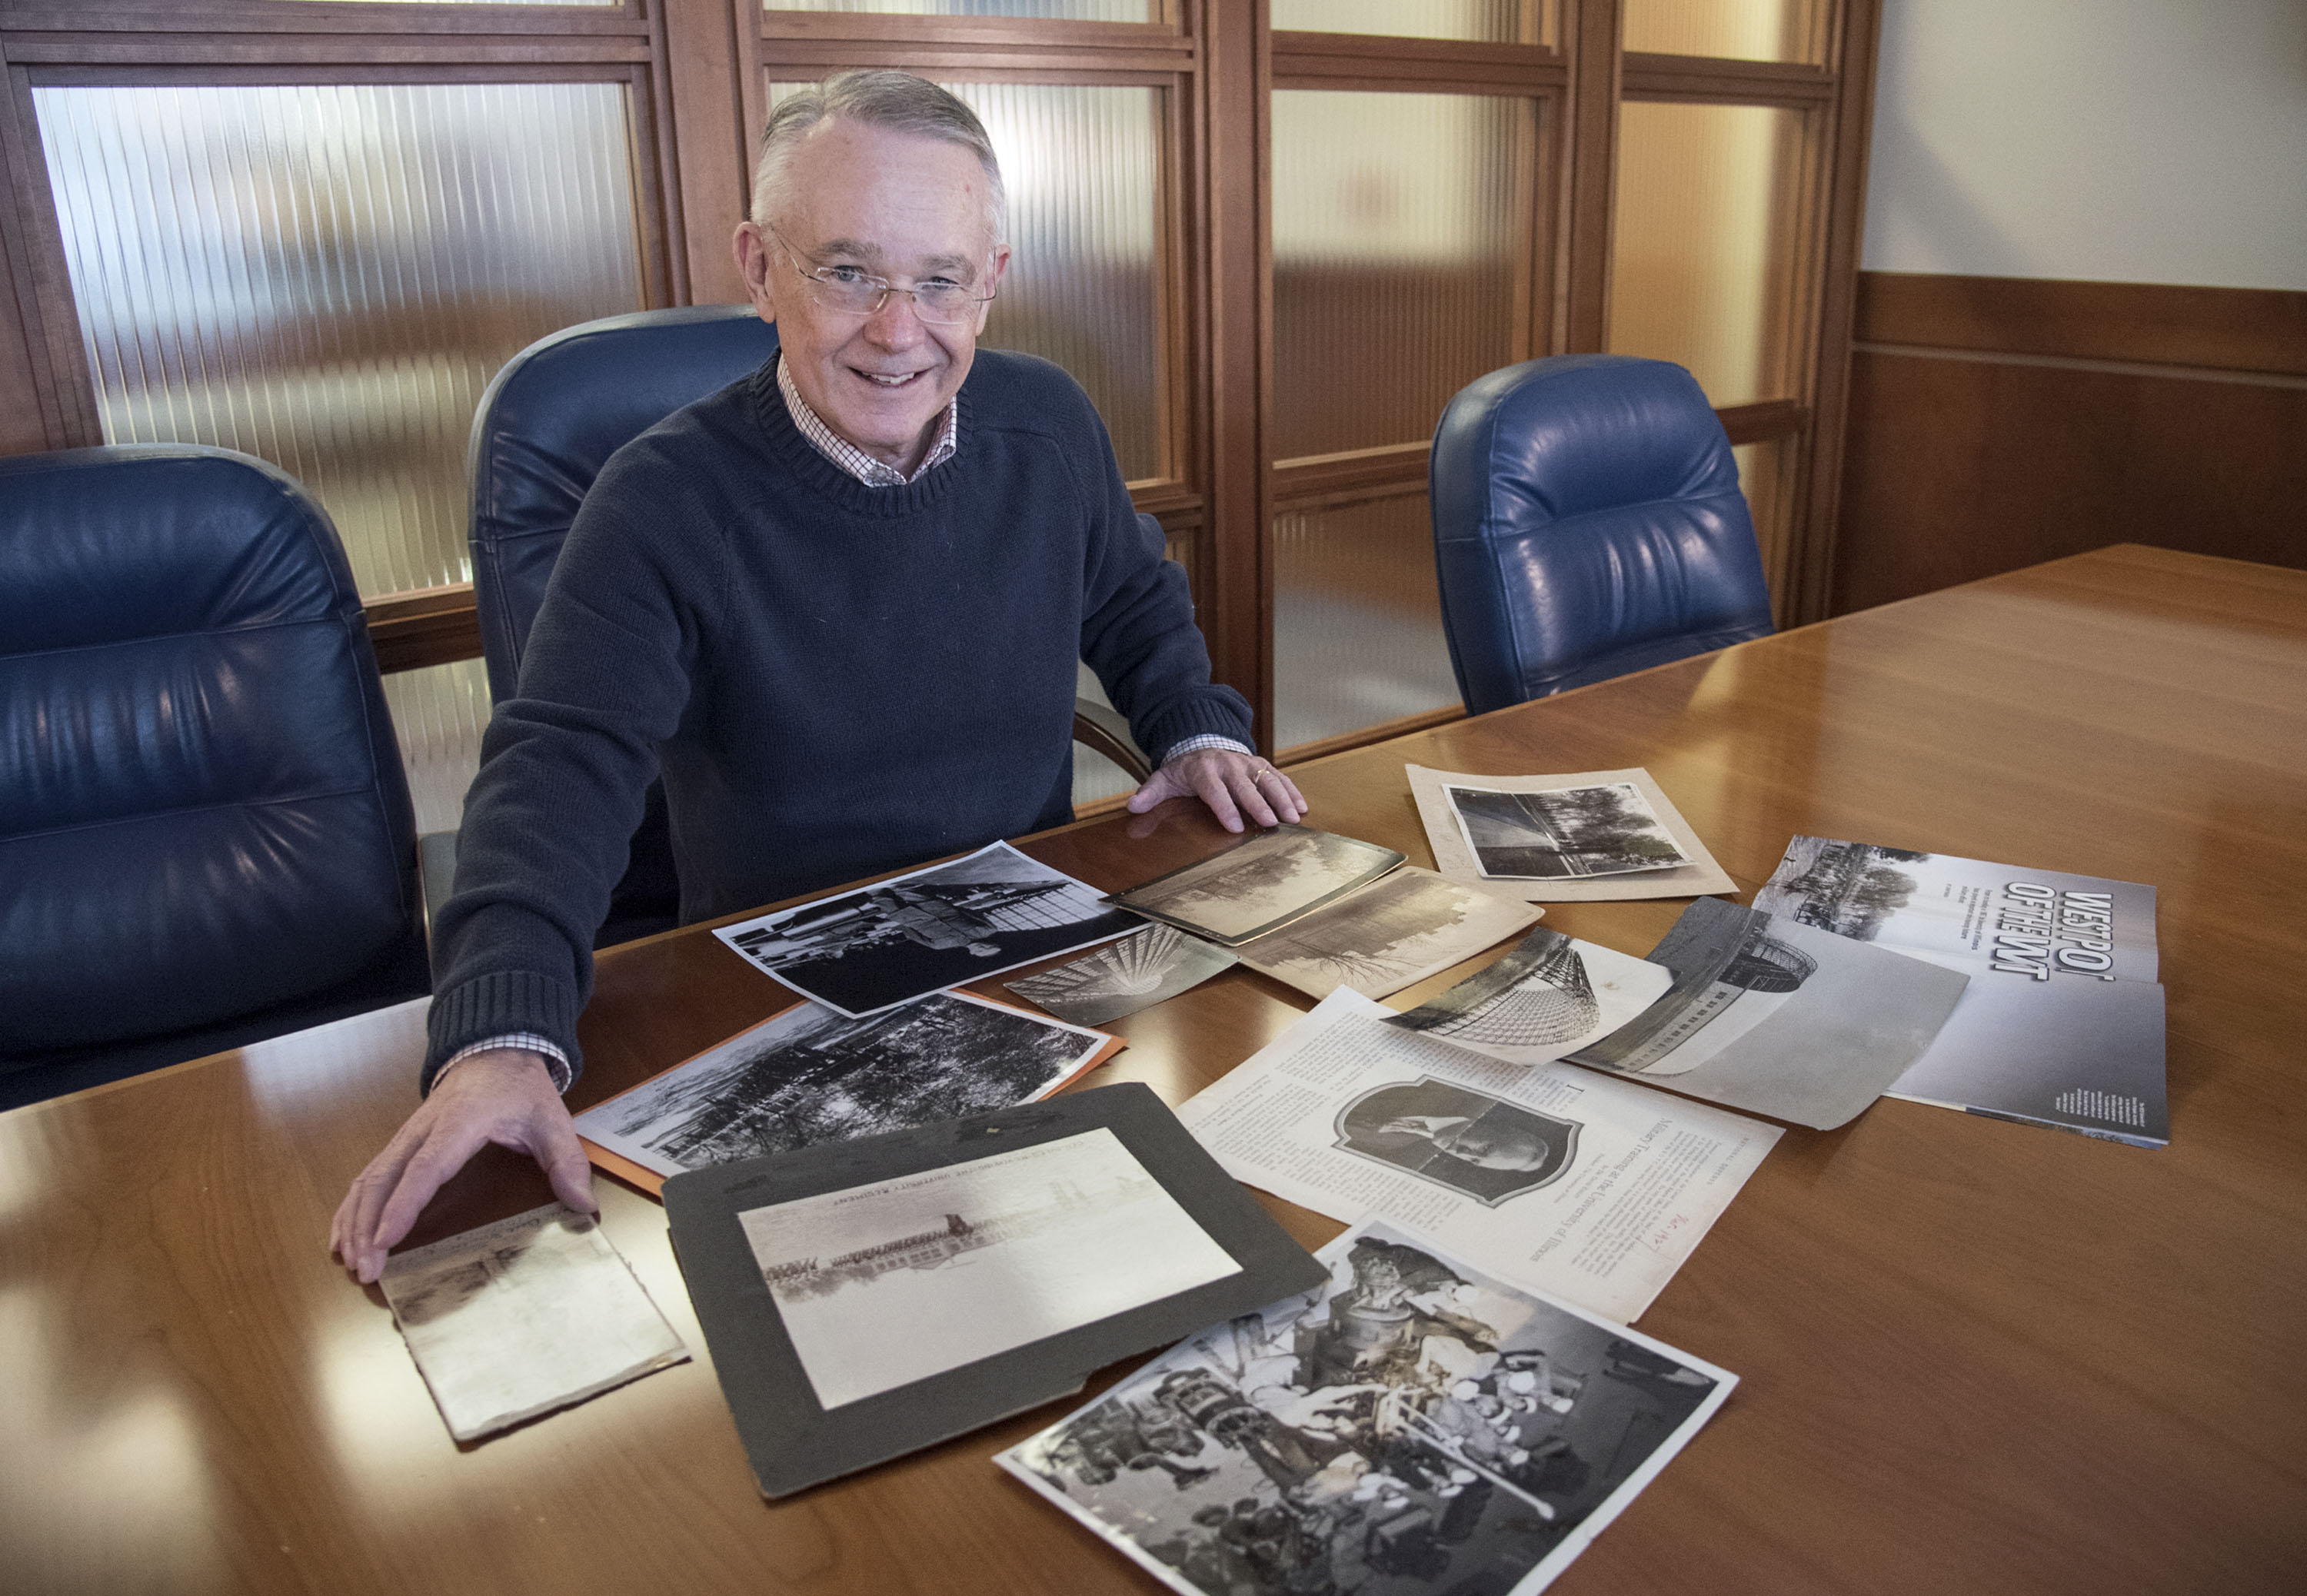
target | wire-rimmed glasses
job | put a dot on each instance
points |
(855, 292)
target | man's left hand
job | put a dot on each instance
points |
(1233, 785)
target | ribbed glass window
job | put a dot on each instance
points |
(1394, 260)
(1737, 29)
(1357, 620)
(327, 276)
(1705, 243)
(440, 712)
(1500, 21)
(1082, 165)
(1056, 10)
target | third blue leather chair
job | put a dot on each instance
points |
(205, 836)
(1586, 523)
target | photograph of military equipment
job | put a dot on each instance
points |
(1413, 1427)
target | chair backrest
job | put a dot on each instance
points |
(550, 419)
(203, 809)
(1586, 523)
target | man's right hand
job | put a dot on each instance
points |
(504, 1097)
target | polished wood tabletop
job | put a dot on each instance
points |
(1975, 1356)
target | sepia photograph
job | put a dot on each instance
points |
(1398, 930)
(1415, 1428)
(1573, 831)
(1549, 996)
(1124, 977)
(1266, 881)
(811, 1075)
(995, 1254)
(1478, 1145)
(520, 1318)
(872, 948)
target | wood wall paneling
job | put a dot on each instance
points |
(1981, 439)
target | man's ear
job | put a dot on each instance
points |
(993, 284)
(756, 261)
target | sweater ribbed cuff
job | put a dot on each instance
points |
(1208, 716)
(497, 1003)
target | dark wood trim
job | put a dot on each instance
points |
(1234, 155)
(1592, 30)
(2228, 329)
(431, 626)
(1814, 528)
(706, 173)
(1762, 421)
(44, 279)
(1300, 753)
(1690, 77)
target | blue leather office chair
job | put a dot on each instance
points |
(546, 425)
(1586, 523)
(205, 833)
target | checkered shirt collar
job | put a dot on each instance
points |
(856, 461)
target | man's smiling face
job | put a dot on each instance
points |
(899, 205)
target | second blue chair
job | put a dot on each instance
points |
(1586, 523)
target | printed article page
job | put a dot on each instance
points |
(1553, 1178)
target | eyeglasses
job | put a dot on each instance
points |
(856, 292)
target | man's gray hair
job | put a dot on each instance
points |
(877, 97)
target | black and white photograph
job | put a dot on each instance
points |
(1122, 978)
(1549, 996)
(1266, 881)
(1775, 1017)
(1478, 1145)
(1395, 931)
(520, 1318)
(811, 1075)
(996, 1253)
(1415, 1428)
(872, 948)
(1509, 824)
(1574, 831)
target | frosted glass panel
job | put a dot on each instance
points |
(1739, 30)
(440, 712)
(1062, 11)
(1357, 620)
(327, 276)
(1394, 261)
(1705, 243)
(1082, 165)
(1496, 21)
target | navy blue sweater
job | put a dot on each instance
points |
(834, 679)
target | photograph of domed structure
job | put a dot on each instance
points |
(1550, 996)
(1124, 977)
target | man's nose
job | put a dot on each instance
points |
(897, 324)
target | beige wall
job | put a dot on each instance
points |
(2114, 140)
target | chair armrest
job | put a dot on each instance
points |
(1097, 727)
(436, 859)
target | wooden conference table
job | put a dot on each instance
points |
(1976, 1356)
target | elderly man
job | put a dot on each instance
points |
(838, 604)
